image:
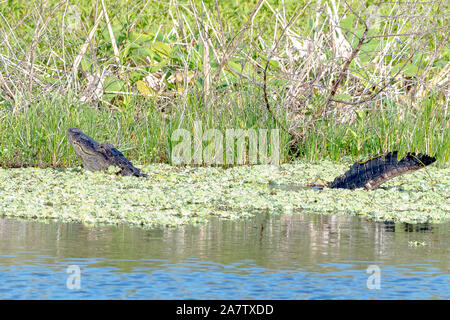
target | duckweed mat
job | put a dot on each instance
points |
(174, 196)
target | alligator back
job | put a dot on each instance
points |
(371, 173)
(117, 159)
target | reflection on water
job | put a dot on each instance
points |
(301, 256)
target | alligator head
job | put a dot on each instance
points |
(99, 156)
(88, 150)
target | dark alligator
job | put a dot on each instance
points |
(370, 173)
(367, 174)
(100, 156)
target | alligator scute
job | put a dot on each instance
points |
(373, 172)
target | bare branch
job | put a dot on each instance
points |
(279, 123)
(233, 45)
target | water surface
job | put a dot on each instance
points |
(299, 256)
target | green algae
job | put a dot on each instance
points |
(174, 196)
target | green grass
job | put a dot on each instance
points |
(37, 136)
(426, 130)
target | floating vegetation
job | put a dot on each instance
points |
(173, 196)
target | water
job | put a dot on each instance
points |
(267, 257)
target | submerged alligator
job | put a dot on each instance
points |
(100, 156)
(367, 174)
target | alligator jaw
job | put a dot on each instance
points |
(373, 172)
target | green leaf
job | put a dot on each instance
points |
(347, 23)
(343, 97)
(274, 64)
(139, 37)
(113, 84)
(117, 30)
(409, 70)
(162, 49)
(235, 64)
(86, 64)
(136, 75)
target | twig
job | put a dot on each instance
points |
(341, 76)
(229, 51)
(133, 24)
(281, 125)
(5, 87)
(372, 97)
(111, 34)
(347, 63)
(222, 35)
(85, 46)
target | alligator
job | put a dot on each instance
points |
(100, 156)
(367, 174)
(371, 173)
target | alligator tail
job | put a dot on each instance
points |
(371, 173)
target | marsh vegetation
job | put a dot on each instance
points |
(342, 78)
